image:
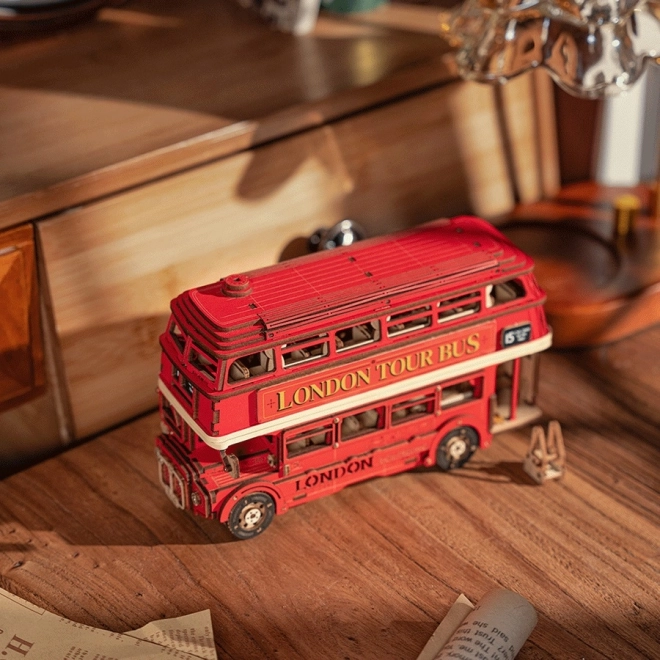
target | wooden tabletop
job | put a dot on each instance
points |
(156, 86)
(369, 572)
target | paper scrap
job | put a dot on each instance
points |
(495, 629)
(31, 633)
(192, 633)
(453, 619)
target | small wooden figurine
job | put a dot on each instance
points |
(546, 459)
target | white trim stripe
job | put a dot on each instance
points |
(357, 400)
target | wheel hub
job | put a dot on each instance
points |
(456, 448)
(252, 516)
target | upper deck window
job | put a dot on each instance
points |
(413, 319)
(307, 350)
(177, 336)
(504, 292)
(458, 307)
(251, 366)
(357, 335)
(185, 386)
(203, 362)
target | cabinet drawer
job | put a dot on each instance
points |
(21, 354)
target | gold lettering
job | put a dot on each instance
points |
(365, 376)
(316, 389)
(410, 365)
(280, 402)
(425, 358)
(352, 383)
(455, 347)
(382, 367)
(473, 342)
(396, 367)
(328, 390)
(444, 352)
(306, 394)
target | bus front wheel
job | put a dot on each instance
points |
(251, 515)
(456, 448)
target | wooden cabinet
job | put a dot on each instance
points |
(168, 144)
(21, 354)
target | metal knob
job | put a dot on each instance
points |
(345, 232)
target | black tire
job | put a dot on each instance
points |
(251, 515)
(456, 448)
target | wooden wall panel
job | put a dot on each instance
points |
(113, 266)
(440, 153)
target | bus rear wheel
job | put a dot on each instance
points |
(251, 515)
(456, 448)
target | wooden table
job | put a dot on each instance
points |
(369, 572)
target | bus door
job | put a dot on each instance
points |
(516, 384)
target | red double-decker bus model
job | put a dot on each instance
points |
(287, 383)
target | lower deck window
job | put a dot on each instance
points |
(361, 423)
(413, 408)
(189, 437)
(457, 393)
(256, 453)
(309, 440)
(169, 415)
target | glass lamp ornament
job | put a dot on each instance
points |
(591, 48)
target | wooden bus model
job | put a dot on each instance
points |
(287, 383)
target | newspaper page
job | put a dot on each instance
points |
(192, 634)
(495, 629)
(30, 632)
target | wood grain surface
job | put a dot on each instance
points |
(369, 572)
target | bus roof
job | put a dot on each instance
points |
(436, 255)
